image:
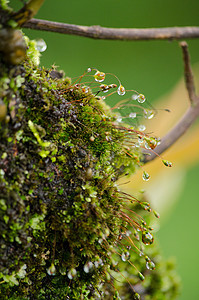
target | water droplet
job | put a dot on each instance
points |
(125, 256)
(51, 270)
(134, 97)
(136, 296)
(98, 263)
(121, 90)
(157, 215)
(147, 238)
(141, 98)
(99, 76)
(89, 70)
(132, 115)
(146, 145)
(141, 276)
(167, 163)
(148, 114)
(151, 143)
(119, 119)
(41, 45)
(120, 237)
(88, 266)
(140, 140)
(104, 88)
(141, 127)
(72, 273)
(150, 265)
(128, 233)
(103, 98)
(145, 176)
(92, 138)
(158, 141)
(113, 85)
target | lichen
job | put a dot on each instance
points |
(62, 223)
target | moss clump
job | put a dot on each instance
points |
(60, 157)
(61, 153)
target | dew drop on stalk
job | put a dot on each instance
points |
(132, 115)
(88, 266)
(158, 141)
(125, 256)
(141, 98)
(128, 233)
(98, 263)
(41, 45)
(72, 273)
(92, 138)
(51, 270)
(167, 163)
(147, 238)
(146, 145)
(148, 114)
(145, 176)
(134, 97)
(103, 98)
(137, 296)
(121, 90)
(141, 127)
(99, 76)
(150, 265)
(141, 276)
(151, 143)
(156, 214)
(89, 70)
(119, 119)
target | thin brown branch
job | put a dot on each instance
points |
(28, 11)
(128, 34)
(175, 133)
(188, 74)
(190, 115)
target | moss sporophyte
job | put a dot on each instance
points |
(67, 231)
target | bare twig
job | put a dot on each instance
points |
(128, 34)
(28, 11)
(175, 133)
(190, 115)
(188, 74)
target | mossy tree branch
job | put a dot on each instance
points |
(130, 34)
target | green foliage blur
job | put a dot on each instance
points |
(151, 67)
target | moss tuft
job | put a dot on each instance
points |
(63, 228)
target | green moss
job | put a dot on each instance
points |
(61, 213)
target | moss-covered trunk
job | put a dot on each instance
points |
(64, 232)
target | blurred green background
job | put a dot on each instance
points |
(152, 68)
